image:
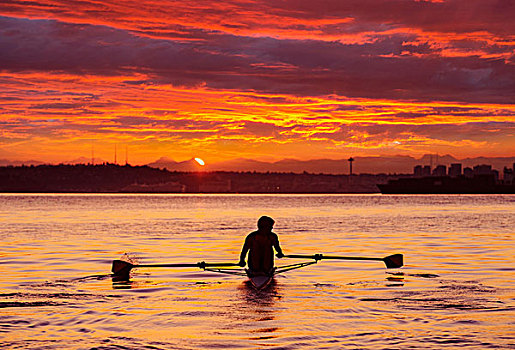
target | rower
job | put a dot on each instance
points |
(260, 245)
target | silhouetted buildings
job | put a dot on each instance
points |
(417, 171)
(420, 170)
(480, 179)
(509, 175)
(455, 170)
(440, 170)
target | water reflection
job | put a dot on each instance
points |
(399, 281)
(119, 283)
(459, 281)
(258, 308)
(260, 297)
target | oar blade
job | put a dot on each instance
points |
(121, 268)
(394, 261)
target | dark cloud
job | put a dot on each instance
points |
(158, 123)
(365, 132)
(351, 16)
(456, 16)
(385, 68)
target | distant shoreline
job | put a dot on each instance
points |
(127, 179)
(110, 178)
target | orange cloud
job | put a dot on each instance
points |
(255, 79)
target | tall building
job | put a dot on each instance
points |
(483, 169)
(440, 170)
(455, 169)
(422, 171)
(508, 176)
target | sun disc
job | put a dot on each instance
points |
(200, 161)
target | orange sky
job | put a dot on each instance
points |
(265, 80)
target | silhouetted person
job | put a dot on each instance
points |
(260, 244)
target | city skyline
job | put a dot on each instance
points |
(363, 165)
(256, 80)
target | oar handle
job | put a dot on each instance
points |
(300, 256)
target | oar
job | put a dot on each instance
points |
(392, 261)
(122, 268)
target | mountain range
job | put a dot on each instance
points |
(361, 165)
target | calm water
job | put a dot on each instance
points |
(456, 289)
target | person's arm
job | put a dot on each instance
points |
(277, 247)
(243, 253)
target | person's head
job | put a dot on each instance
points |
(265, 223)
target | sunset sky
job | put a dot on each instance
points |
(264, 80)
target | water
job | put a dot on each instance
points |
(455, 290)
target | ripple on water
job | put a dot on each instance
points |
(449, 295)
(327, 306)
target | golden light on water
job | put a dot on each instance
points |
(57, 284)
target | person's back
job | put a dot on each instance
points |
(260, 244)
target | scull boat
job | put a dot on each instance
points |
(260, 280)
(121, 269)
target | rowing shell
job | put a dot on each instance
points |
(260, 281)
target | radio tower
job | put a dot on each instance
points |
(126, 155)
(115, 154)
(350, 165)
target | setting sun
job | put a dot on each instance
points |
(200, 161)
